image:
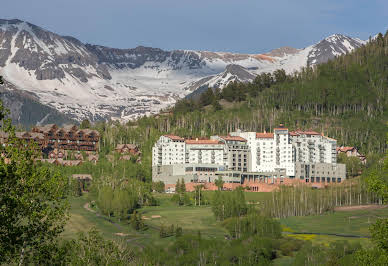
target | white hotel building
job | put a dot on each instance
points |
(305, 155)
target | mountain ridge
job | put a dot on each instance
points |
(98, 82)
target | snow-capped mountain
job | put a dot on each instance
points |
(231, 73)
(97, 82)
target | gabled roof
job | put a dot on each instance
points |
(122, 146)
(346, 149)
(49, 127)
(233, 138)
(89, 131)
(264, 135)
(173, 137)
(202, 141)
(36, 135)
(23, 134)
(68, 128)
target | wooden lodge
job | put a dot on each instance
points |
(68, 137)
(351, 152)
(51, 137)
(131, 149)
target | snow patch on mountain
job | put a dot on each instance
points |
(97, 82)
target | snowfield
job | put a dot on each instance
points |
(95, 82)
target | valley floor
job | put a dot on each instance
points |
(344, 224)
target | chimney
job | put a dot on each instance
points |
(196, 139)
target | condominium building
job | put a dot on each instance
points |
(237, 156)
(313, 147)
(270, 152)
(169, 150)
(205, 151)
(304, 155)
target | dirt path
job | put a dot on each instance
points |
(360, 207)
(87, 207)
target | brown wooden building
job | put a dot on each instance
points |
(69, 137)
(51, 137)
(131, 149)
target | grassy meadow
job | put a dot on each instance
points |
(193, 219)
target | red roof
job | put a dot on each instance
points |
(345, 149)
(280, 128)
(173, 137)
(233, 138)
(292, 133)
(202, 141)
(264, 135)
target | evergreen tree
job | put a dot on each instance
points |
(85, 124)
(183, 186)
(178, 187)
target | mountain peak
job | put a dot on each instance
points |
(98, 82)
(336, 37)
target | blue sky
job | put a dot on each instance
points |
(246, 26)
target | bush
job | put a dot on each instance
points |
(137, 222)
(253, 224)
(289, 245)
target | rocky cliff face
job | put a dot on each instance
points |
(96, 82)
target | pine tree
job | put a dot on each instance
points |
(183, 186)
(178, 186)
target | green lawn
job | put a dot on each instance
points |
(191, 219)
(257, 196)
(354, 222)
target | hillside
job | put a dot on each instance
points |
(96, 82)
(345, 98)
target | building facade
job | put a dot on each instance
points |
(270, 152)
(69, 137)
(351, 152)
(169, 150)
(205, 151)
(50, 137)
(237, 153)
(312, 147)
